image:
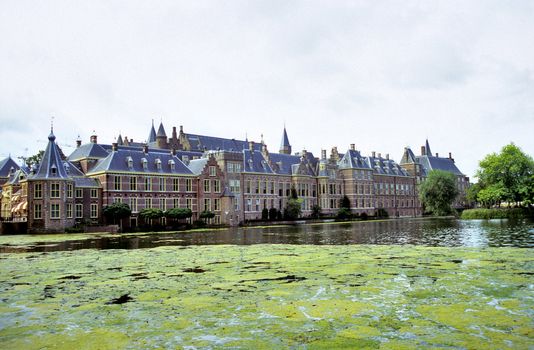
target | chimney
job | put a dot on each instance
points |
(173, 151)
(251, 146)
(145, 148)
(352, 147)
(450, 155)
(93, 138)
(304, 153)
(387, 156)
(114, 146)
(423, 151)
(174, 136)
(373, 154)
(78, 142)
(379, 155)
(323, 154)
(437, 154)
(181, 129)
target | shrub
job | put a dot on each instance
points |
(273, 214)
(343, 214)
(265, 214)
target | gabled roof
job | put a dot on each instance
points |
(197, 165)
(88, 151)
(254, 162)
(52, 166)
(283, 163)
(210, 143)
(384, 166)
(6, 165)
(136, 160)
(16, 176)
(408, 156)
(353, 159)
(437, 163)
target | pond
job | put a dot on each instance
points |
(446, 232)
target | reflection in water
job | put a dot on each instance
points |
(428, 232)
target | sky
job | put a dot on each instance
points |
(380, 74)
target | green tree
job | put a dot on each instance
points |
(265, 214)
(438, 191)
(273, 214)
(293, 209)
(344, 202)
(150, 214)
(206, 215)
(117, 211)
(316, 211)
(35, 159)
(178, 213)
(507, 176)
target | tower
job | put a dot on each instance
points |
(161, 137)
(285, 147)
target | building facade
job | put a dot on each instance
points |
(235, 180)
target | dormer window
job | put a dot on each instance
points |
(158, 163)
(67, 168)
(53, 170)
(172, 164)
(144, 162)
(129, 161)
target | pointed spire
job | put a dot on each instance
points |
(285, 147)
(152, 134)
(120, 142)
(51, 165)
(161, 131)
(427, 149)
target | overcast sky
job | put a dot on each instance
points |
(380, 74)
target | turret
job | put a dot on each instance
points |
(285, 147)
(161, 137)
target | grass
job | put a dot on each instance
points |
(268, 296)
(494, 213)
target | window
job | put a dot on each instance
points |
(217, 220)
(176, 185)
(161, 184)
(148, 184)
(148, 203)
(79, 211)
(158, 163)
(249, 204)
(258, 186)
(117, 183)
(69, 190)
(207, 186)
(188, 185)
(37, 211)
(235, 186)
(94, 193)
(207, 204)
(144, 162)
(216, 186)
(257, 205)
(117, 200)
(248, 187)
(189, 203)
(129, 160)
(213, 171)
(94, 210)
(54, 190)
(133, 204)
(38, 191)
(172, 164)
(162, 204)
(176, 203)
(234, 167)
(133, 183)
(79, 193)
(69, 211)
(54, 211)
(272, 187)
(216, 204)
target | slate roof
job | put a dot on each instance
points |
(353, 159)
(254, 162)
(210, 143)
(6, 165)
(408, 156)
(161, 131)
(282, 163)
(85, 182)
(197, 165)
(89, 150)
(437, 163)
(384, 166)
(52, 166)
(285, 141)
(152, 134)
(427, 148)
(118, 161)
(16, 176)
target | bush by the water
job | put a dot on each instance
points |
(502, 213)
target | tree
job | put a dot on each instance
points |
(35, 159)
(117, 211)
(344, 202)
(205, 215)
(293, 209)
(150, 214)
(178, 213)
(316, 211)
(265, 214)
(273, 214)
(506, 176)
(344, 211)
(438, 191)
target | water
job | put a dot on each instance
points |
(427, 232)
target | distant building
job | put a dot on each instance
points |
(420, 166)
(236, 180)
